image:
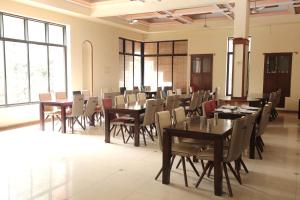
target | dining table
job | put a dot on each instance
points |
(134, 110)
(150, 94)
(62, 104)
(235, 112)
(215, 130)
(251, 101)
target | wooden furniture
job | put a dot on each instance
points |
(216, 132)
(252, 101)
(134, 110)
(150, 94)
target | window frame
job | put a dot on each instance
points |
(28, 42)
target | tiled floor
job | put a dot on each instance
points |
(47, 165)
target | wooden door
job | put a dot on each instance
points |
(277, 74)
(201, 71)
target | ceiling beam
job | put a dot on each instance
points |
(227, 12)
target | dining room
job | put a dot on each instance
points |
(149, 99)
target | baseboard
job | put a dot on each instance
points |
(19, 125)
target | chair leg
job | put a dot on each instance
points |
(143, 133)
(149, 133)
(258, 151)
(160, 171)
(262, 142)
(236, 174)
(122, 132)
(52, 119)
(193, 166)
(209, 171)
(179, 162)
(244, 166)
(202, 163)
(72, 124)
(203, 173)
(227, 179)
(184, 171)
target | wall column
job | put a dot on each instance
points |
(240, 82)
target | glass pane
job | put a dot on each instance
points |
(38, 70)
(165, 47)
(121, 67)
(206, 64)
(129, 72)
(56, 34)
(180, 72)
(16, 72)
(229, 72)
(137, 47)
(181, 47)
(196, 65)
(57, 69)
(150, 72)
(283, 64)
(137, 71)
(13, 27)
(128, 46)
(150, 48)
(36, 31)
(230, 44)
(164, 71)
(121, 49)
(271, 64)
(2, 78)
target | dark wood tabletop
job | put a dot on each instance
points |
(217, 131)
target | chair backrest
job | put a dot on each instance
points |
(236, 142)
(131, 98)
(206, 95)
(107, 103)
(169, 92)
(162, 120)
(159, 105)
(122, 90)
(119, 100)
(179, 115)
(150, 112)
(200, 98)
(86, 93)
(170, 103)
(46, 97)
(111, 95)
(251, 120)
(76, 92)
(91, 106)
(208, 107)
(194, 101)
(60, 95)
(141, 97)
(77, 106)
(264, 119)
(159, 88)
(178, 91)
(278, 96)
(147, 88)
(159, 94)
(176, 101)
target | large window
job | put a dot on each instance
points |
(32, 59)
(230, 64)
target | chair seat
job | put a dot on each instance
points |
(208, 154)
(204, 143)
(186, 150)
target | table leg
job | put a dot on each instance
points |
(166, 166)
(42, 117)
(63, 119)
(107, 126)
(252, 144)
(218, 170)
(137, 129)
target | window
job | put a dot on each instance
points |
(32, 59)
(230, 64)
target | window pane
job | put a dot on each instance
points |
(57, 68)
(137, 47)
(180, 72)
(283, 64)
(137, 71)
(13, 27)
(128, 46)
(121, 67)
(207, 65)
(271, 64)
(181, 47)
(56, 34)
(129, 72)
(150, 48)
(2, 80)
(196, 65)
(164, 71)
(38, 70)
(17, 72)
(165, 47)
(150, 72)
(36, 31)
(121, 49)
(229, 72)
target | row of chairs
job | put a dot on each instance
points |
(203, 150)
(197, 99)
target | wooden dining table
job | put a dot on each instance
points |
(63, 104)
(133, 110)
(215, 130)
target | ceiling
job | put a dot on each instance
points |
(147, 15)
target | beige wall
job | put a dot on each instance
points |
(267, 39)
(106, 59)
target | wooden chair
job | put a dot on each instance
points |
(86, 93)
(178, 91)
(60, 95)
(208, 108)
(76, 112)
(131, 98)
(192, 108)
(141, 97)
(90, 109)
